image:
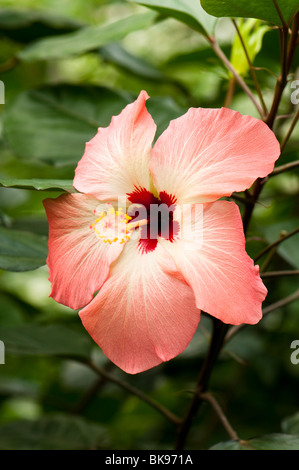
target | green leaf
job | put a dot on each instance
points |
(163, 109)
(229, 445)
(46, 340)
(264, 10)
(52, 124)
(25, 25)
(54, 432)
(117, 55)
(252, 32)
(268, 442)
(85, 39)
(275, 442)
(38, 184)
(22, 251)
(189, 12)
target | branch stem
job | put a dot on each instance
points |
(281, 303)
(218, 51)
(287, 55)
(219, 332)
(290, 131)
(282, 168)
(135, 391)
(284, 24)
(270, 308)
(251, 68)
(215, 405)
(276, 243)
(291, 272)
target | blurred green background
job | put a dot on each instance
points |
(54, 101)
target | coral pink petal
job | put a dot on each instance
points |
(223, 277)
(117, 158)
(78, 260)
(210, 153)
(145, 313)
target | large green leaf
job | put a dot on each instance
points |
(164, 109)
(114, 53)
(53, 124)
(21, 251)
(38, 184)
(25, 25)
(45, 340)
(85, 39)
(268, 442)
(189, 12)
(264, 10)
(53, 432)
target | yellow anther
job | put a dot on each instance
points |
(112, 226)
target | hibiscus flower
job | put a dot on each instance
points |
(139, 282)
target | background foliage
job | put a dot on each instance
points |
(68, 67)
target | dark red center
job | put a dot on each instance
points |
(159, 214)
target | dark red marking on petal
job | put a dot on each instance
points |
(161, 223)
(174, 230)
(146, 244)
(142, 196)
(166, 198)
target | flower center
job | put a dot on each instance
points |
(158, 211)
(114, 225)
(154, 218)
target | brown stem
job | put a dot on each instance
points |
(281, 303)
(230, 92)
(230, 431)
(279, 89)
(291, 272)
(290, 131)
(282, 168)
(92, 392)
(269, 259)
(276, 243)
(134, 391)
(270, 308)
(293, 41)
(251, 202)
(239, 198)
(283, 22)
(251, 68)
(218, 51)
(219, 332)
(287, 54)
